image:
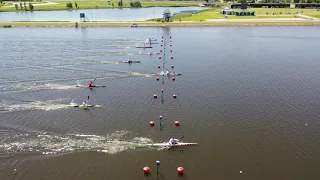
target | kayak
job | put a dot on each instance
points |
(91, 86)
(143, 46)
(168, 145)
(83, 106)
(150, 53)
(131, 62)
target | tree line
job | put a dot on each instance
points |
(24, 6)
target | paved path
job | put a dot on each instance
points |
(257, 20)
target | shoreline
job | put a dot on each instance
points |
(154, 24)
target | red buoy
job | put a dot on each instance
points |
(170, 37)
(159, 57)
(161, 50)
(170, 44)
(158, 66)
(155, 96)
(170, 50)
(172, 66)
(177, 123)
(174, 96)
(151, 123)
(173, 78)
(161, 45)
(180, 170)
(162, 37)
(146, 170)
(171, 57)
(158, 78)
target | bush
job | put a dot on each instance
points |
(17, 7)
(69, 5)
(131, 4)
(137, 4)
(76, 5)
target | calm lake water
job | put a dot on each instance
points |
(125, 14)
(248, 95)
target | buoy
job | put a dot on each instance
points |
(174, 96)
(170, 40)
(146, 170)
(220, 124)
(177, 123)
(170, 50)
(161, 45)
(180, 170)
(170, 37)
(158, 66)
(170, 44)
(160, 57)
(151, 123)
(171, 57)
(161, 50)
(158, 78)
(172, 66)
(160, 117)
(161, 40)
(173, 78)
(155, 96)
(162, 37)
(240, 172)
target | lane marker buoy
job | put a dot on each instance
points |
(151, 123)
(180, 170)
(146, 170)
(177, 123)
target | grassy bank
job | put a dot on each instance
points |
(61, 5)
(261, 13)
(154, 24)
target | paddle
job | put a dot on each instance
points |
(94, 81)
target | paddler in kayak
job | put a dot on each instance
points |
(173, 141)
(129, 61)
(90, 84)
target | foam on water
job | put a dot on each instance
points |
(49, 144)
(36, 105)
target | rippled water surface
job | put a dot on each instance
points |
(249, 96)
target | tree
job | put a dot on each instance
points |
(21, 5)
(25, 6)
(120, 3)
(17, 6)
(137, 4)
(31, 7)
(244, 4)
(69, 5)
(76, 5)
(131, 3)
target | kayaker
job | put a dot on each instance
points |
(172, 141)
(129, 60)
(91, 84)
(84, 103)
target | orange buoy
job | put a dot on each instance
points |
(177, 123)
(172, 66)
(151, 123)
(155, 96)
(158, 66)
(180, 170)
(146, 170)
(174, 96)
(171, 57)
(173, 78)
(158, 78)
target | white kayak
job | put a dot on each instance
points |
(83, 106)
(168, 145)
